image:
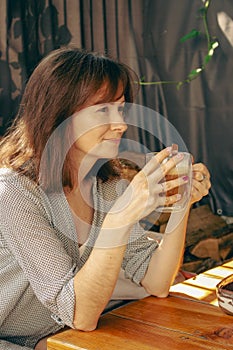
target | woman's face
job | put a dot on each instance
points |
(98, 127)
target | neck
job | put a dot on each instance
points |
(84, 166)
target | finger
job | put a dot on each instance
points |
(200, 168)
(155, 162)
(162, 155)
(197, 194)
(202, 187)
(197, 175)
(200, 184)
(201, 176)
(168, 186)
(171, 163)
(167, 165)
(169, 200)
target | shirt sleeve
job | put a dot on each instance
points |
(138, 254)
(34, 243)
(5, 345)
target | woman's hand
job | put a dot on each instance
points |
(200, 183)
(148, 188)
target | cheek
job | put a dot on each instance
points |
(91, 138)
(98, 132)
(82, 126)
(84, 122)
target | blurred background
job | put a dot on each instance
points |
(146, 35)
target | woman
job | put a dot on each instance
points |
(68, 225)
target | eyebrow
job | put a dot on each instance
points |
(103, 100)
(110, 102)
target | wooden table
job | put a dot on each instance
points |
(187, 319)
(202, 286)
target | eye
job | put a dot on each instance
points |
(103, 109)
(121, 109)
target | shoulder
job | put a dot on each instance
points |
(18, 189)
(12, 180)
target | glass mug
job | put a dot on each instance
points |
(183, 168)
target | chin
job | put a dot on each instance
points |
(109, 151)
(109, 155)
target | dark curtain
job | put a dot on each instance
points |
(145, 34)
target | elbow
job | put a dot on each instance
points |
(86, 319)
(157, 290)
(84, 325)
(163, 293)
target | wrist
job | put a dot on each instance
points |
(113, 233)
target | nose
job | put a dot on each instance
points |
(118, 126)
(118, 123)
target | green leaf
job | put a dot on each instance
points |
(193, 34)
(202, 11)
(207, 58)
(194, 73)
(178, 86)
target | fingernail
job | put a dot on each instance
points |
(178, 196)
(185, 178)
(168, 149)
(174, 149)
(179, 155)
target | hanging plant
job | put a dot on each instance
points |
(212, 44)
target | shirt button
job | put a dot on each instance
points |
(57, 320)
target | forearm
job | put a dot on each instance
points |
(95, 282)
(166, 260)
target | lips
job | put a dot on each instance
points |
(117, 141)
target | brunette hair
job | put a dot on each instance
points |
(63, 81)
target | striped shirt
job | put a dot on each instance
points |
(39, 257)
